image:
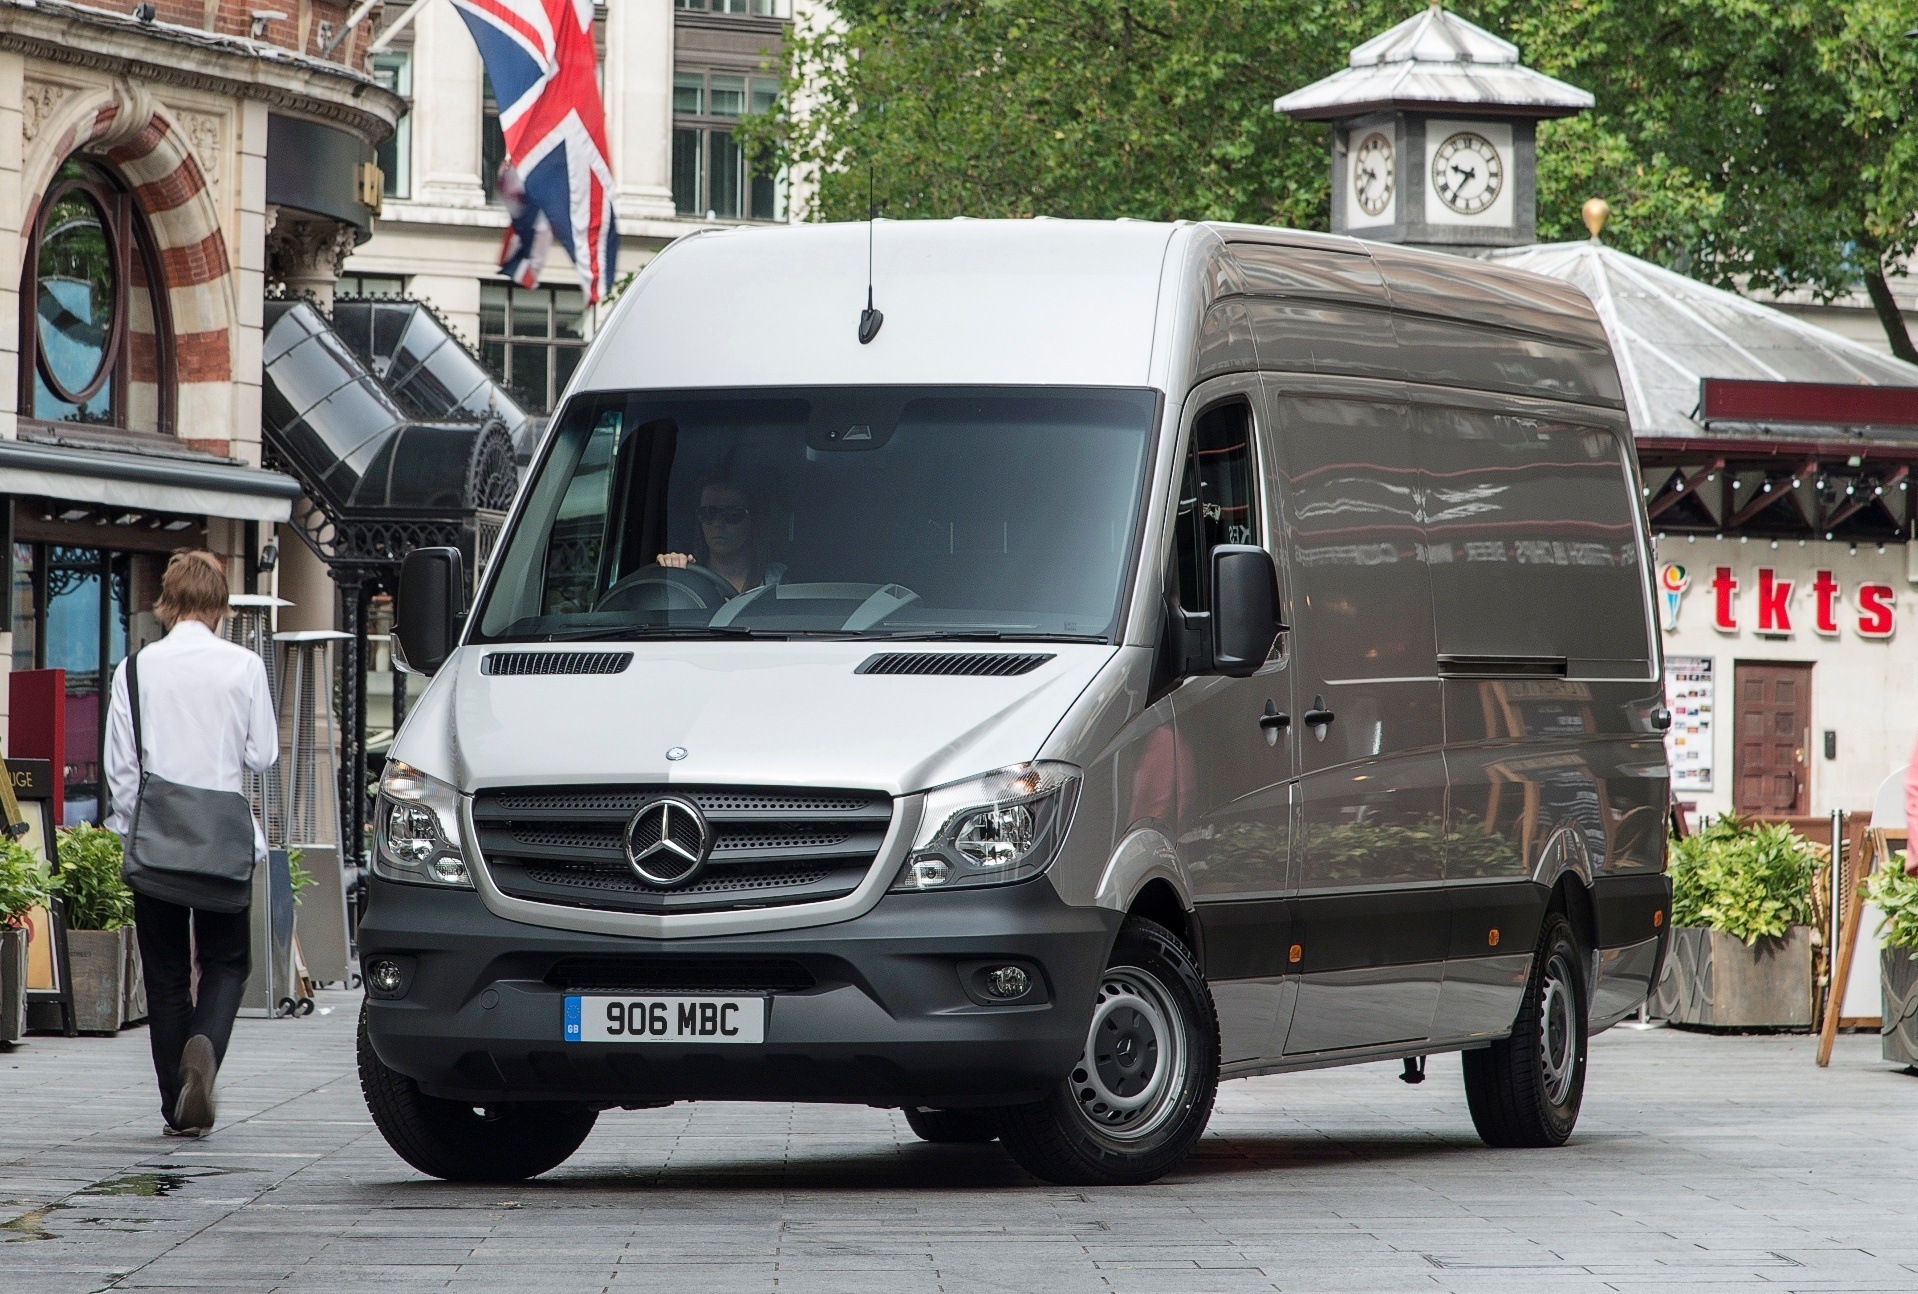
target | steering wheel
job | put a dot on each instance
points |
(668, 588)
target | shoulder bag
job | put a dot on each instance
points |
(188, 845)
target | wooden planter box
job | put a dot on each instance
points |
(1716, 981)
(1898, 973)
(99, 960)
(13, 985)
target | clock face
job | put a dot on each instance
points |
(1372, 174)
(1467, 173)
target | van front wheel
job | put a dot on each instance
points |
(460, 1143)
(1525, 1091)
(1142, 1092)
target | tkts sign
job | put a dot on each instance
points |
(1776, 607)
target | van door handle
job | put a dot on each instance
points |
(1318, 717)
(1273, 722)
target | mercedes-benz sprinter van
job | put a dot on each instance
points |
(1023, 684)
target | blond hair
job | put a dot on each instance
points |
(193, 588)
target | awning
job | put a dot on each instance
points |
(122, 480)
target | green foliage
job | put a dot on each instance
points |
(1896, 895)
(297, 873)
(1739, 141)
(23, 882)
(89, 881)
(1747, 879)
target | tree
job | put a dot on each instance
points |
(1751, 143)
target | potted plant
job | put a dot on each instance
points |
(1896, 895)
(23, 887)
(1741, 954)
(100, 945)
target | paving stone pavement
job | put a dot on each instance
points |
(1701, 1163)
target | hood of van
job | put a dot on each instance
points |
(760, 713)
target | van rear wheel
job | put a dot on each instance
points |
(1526, 1090)
(951, 1127)
(1142, 1092)
(459, 1143)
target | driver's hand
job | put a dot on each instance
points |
(678, 561)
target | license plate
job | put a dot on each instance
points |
(666, 1019)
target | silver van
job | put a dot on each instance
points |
(1021, 673)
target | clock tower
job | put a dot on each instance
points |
(1434, 135)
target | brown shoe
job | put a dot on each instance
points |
(198, 1071)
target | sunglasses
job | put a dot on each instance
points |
(732, 514)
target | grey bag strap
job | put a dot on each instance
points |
(133, 702)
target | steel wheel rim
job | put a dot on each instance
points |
(1558, 1031)
(1130, 1077)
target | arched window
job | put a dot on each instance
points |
(94, 332)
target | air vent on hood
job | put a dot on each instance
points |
(555, 662)
(972, 664)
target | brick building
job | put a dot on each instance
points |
(163, 169)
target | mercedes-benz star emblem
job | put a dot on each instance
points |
(667, 842)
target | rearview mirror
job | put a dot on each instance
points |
(1245, 609)
(426, 614)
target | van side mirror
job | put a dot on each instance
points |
(1245, 609)
(426, 614)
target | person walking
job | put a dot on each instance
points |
(204, 715)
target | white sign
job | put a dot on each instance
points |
(1688, 742)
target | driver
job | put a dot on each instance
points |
(730, 540)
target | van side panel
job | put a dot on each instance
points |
(1370, 918)
(1318, 311)
(1537, 570)
(1522, 334)
(1531, 540)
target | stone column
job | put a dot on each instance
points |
(304, 253)
(448, 90)
(12, 244)
(639, 107)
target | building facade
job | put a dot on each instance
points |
(677, 76)
(162, 171)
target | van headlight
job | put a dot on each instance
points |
(416, 832)
(1006, 826)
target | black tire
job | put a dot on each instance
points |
(1524, 1092)
(1162, 1036)
(445, 1139)
(951, 1127)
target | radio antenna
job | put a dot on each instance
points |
(870, 318)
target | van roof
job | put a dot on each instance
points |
(987, 302)
(1039, 302)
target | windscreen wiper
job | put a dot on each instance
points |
(640, 633)
(988, 636)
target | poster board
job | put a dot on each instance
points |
(49, 978)
(1690, 694)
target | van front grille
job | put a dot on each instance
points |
(993, 664)
(771, 846)
(555, 662)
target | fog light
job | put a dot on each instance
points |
(1007, 982)
(451, 870)
(384, 975)
(929, 873)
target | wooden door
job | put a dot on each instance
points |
(1771, 739)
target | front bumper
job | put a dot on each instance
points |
(888, 1018)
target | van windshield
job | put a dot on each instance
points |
(889, 512)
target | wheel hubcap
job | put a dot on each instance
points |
(1128, 1081)
(1558, 1030)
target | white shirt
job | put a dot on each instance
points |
(205, 711)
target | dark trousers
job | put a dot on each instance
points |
(222, 944)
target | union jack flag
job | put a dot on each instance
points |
(539, 56)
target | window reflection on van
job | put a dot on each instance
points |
(898, 512)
